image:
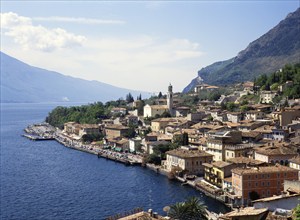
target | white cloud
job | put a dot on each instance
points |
(38, 37)
(141, 62)
(79, 20)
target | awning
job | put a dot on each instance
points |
(118, 149)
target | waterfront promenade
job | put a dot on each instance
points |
(44, 130)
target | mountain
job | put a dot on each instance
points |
(21, 82)
(270, 52)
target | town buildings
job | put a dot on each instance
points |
(259, 182)
(187, 159)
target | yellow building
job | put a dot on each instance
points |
(217, 171)
(161, 123)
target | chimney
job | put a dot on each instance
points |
(150, 211)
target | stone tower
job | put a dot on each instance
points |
(170, 99)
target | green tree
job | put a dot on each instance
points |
(153, 158)
(230, 106)
(296, 212)
(192, 208)
(159, 95)
(129, 98)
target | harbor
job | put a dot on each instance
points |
(44, 131)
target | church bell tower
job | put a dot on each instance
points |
(170, 99)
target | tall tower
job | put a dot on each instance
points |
(170, 99)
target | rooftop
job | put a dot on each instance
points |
(268, 169)
(295, 160)
(159, 106)
(220, 164)
(116, 127)
(274, 198)
(276, 148)
(181, 153)
(248, 211)
(245, 160)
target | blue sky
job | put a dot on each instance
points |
(130, 44)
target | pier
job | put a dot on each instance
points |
(37, 138)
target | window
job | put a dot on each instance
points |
(256, 176)
(256, 184)
(263, 183)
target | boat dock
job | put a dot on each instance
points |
(37, 138)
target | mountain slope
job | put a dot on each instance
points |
(270, 52)
(23, 83)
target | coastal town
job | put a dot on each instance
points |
(247, 158)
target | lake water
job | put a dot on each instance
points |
(45, 180)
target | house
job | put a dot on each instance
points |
(217, 140)
(279, 134)
(287, 115)
(181, 111)
(237, 150)
(247, 213)
(196, 117)
(71, 128)
(295, 163)
(153, 110)
(188, 159)
(204, 87)
(251, 136)
(115, 130)
(275, 152)
(78, 130)
(216, 172)
(122, 144)
(121, 111)
(160, 124)
(132, 120)
(266, 131)
(267, 96)
(88, 129)
(234, 117)
(218, 115)
(248, 86)
(205, 127)
(259, 182)
(135, 144)
(249, 125)
(254, 115)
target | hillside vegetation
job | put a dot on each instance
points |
(278, 78)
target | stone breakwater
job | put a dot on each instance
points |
(44, 131)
